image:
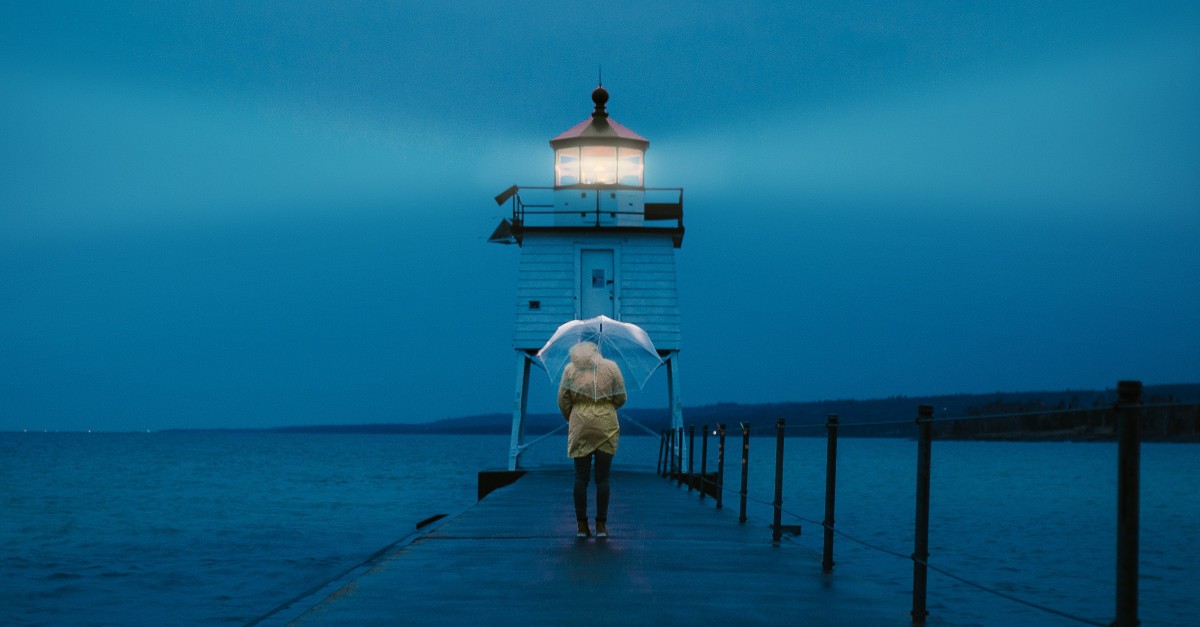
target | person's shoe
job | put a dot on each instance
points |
(583, 530)
(601, 529)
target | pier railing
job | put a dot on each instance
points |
(1127, 418)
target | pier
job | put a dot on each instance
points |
(672, 559)
(676, 555)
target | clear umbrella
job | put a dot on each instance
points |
(626, 345)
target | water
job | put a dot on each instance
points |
(212, 528)
(1032, 520)
(209, 527)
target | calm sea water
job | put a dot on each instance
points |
(210, 528)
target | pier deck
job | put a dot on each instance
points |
(513, 559)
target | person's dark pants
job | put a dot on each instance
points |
(583, 468)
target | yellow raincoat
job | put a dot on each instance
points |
(591, 391)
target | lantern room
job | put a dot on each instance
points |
(599, 169)
(599, 181)
(599, 151)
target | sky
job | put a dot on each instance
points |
(257, 214)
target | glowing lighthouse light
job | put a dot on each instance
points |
(603, 165)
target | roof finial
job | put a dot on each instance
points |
(600, 75)
(600, 96)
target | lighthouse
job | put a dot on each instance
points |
(597, 242)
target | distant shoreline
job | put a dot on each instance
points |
(1067, 415)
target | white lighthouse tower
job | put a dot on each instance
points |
(599, 242)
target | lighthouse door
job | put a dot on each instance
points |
(596, 284)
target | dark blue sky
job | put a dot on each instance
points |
(275, 213)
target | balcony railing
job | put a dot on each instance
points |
(534, 207)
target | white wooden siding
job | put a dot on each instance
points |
(646, 290)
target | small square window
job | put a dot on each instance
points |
(535, 305)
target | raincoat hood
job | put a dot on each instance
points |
(590, 374)
(585, 355)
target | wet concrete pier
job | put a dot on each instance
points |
(672, 559)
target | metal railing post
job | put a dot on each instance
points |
(679, 457)
(691, 456)
(831, 429)
(745, 469)
(777, 526)
(670, 453)
(1129, 418)
(720, 465)
(662, 442)
(703, 460)
(921, 535)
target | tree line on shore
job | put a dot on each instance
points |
(1172, 414)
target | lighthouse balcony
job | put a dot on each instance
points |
(572, 208)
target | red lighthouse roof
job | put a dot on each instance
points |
(589, 128)
(598, 127)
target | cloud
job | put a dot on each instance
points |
(98, 154)
(1102, 132)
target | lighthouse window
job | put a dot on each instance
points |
(629, 166)
(566, 166)
(598, 165)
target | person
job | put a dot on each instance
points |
(591, 391)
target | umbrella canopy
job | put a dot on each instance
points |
(624, 344)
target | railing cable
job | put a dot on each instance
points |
(887, 551)
(637, 424)
(544, 436)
